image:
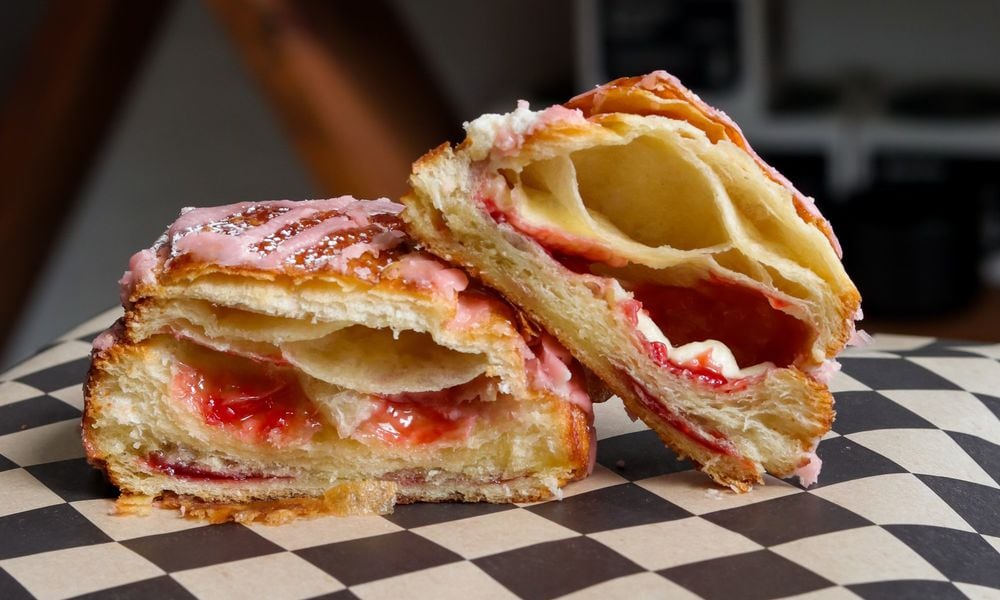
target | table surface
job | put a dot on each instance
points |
(908, 504)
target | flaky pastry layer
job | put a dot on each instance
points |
(639, 229)
(262, 390)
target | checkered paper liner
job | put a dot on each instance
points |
(908, 505)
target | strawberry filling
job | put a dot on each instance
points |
(743, 319)
(553, 240)
(712, 440)
(258, 402)
(411, 423)
(261, 402)
(413, 419)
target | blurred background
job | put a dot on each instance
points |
(115, 114)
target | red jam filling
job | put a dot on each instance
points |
(413, 419)
(553, 240)
(494, 211)
(258, 402)
(712, 440)
(157, 462)
(743, 319)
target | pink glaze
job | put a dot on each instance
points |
(552, 367)
(473, 310)
(213, 235)
(712, 440)
(140, 270)
(550, 370)
(860, 338)
(104, 341)
(422, 270)
(808, 474)
(108, 337)
(825, 371)
(335, 235)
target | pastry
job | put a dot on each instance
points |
(636, 225)
(286, 358)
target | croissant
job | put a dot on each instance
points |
(636, 225)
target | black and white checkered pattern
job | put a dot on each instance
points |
(908, 506)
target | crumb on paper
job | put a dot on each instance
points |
(715, 494)
(133, 504)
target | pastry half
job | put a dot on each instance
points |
(636, 224)
(301, 357)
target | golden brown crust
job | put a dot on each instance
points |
(662, 94)
(353, 243)
(509, 145)
(652, 95)
(580, 437)
(177, 299)
(190, 269)
(350, 498)
(734, 471)
(451, 209)
(98, 359)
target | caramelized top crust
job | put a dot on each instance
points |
(660, 93)
(343, 237)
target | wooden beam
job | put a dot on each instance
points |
(353, 93)
(58, 107)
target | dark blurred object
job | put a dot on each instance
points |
(913, 240)
(349, 84)
(946, 101)
(910, 252)
(799, 96)
(58, 107)
(887, 113)
(696, 40)
(357, 101)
